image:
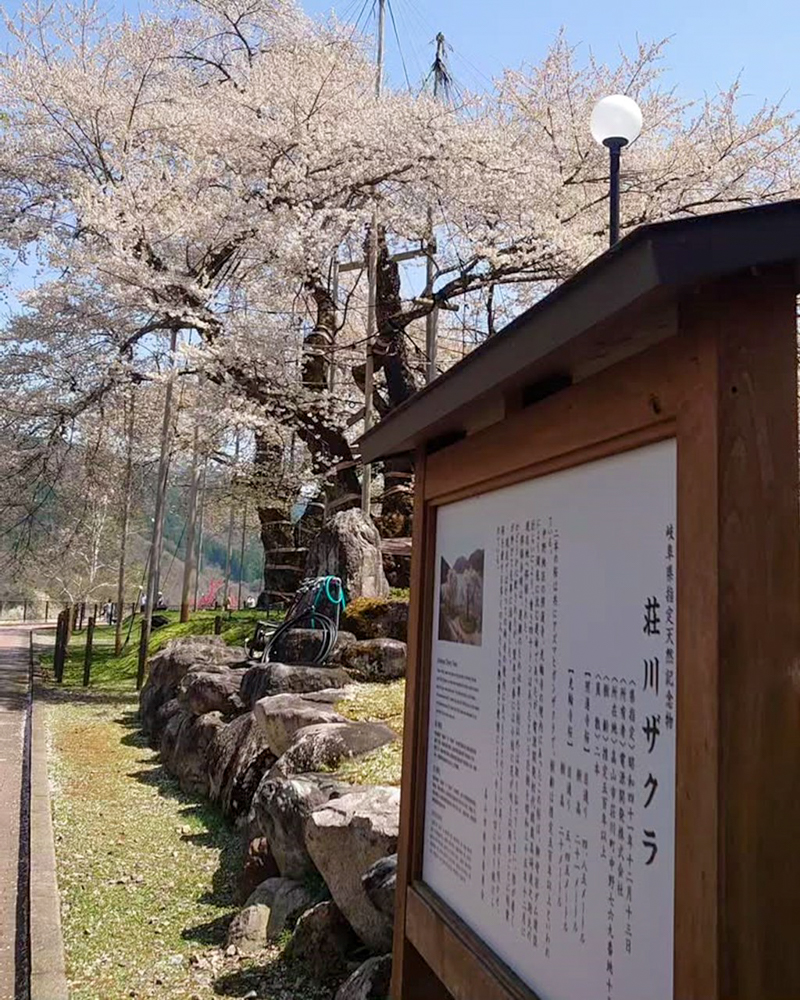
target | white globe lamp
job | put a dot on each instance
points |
(616, 122)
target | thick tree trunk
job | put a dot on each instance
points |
(392, 355)
(283, 561)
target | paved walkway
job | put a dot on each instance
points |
(13, 703)
(31, 962)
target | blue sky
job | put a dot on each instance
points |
(712, 40)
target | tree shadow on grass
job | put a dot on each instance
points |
(224, 889)
(54, 695)
(211, 934)
(130, 720)
(217, 832)
(278, 979)
(136, 738)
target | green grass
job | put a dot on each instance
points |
(147, 875)
(112, 672)
(376, 703)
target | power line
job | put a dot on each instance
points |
(399, 46)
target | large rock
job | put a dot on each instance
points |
(370, 981)
(324, 747)
(374, 659)
(380, 884)
(169, 737)
(281, 715)
(186, 746)
(279, 812)
(210, 689)
(271, 908)
(300, 646)
(264, 679)
(376, 618)
(238, 760)
(259, 865)
(322, 942)
(162, 717)
(344, 838)
(169, 665)
(349, 547)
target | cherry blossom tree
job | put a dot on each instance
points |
(199, 171)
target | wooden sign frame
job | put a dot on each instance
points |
(721, 381)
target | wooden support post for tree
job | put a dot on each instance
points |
(81, 615)
(87, 656)
(191, 523)
(217, 624)
(241, 557)
(144, 639)
(123, 543)
(158, 520)
(59, 626)
(198, 561)
(46, 611)
(229, 546)
(59, 654)
(24, 610)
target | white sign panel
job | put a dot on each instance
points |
(550, 803)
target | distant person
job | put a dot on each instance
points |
(108, 612)
(161, 604)
(250, 602)
(142, 603)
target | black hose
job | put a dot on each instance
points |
(321, 623)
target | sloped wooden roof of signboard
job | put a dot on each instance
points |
(647, 268)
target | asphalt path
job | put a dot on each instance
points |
(14, 708)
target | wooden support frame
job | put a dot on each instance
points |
(724, 384)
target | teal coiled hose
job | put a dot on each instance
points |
(328, 626)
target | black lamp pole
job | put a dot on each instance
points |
(614, 144)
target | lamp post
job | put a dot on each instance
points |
(616, 121)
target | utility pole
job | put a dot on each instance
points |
(372, 276)
(230, 531)
(440, 76)
(199, 552)
(158, 520)
(126, 512)
(191, 523)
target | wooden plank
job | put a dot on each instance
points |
(408, 972)
(456, 954)
(659, 430)
(396, 546)
(696, 825)
(759, 637)
(633, 396)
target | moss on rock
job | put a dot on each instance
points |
(377, 617)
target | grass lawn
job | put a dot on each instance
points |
(147, 875)
(377, 703)
(112, 672)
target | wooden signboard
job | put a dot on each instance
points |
(601, 775)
